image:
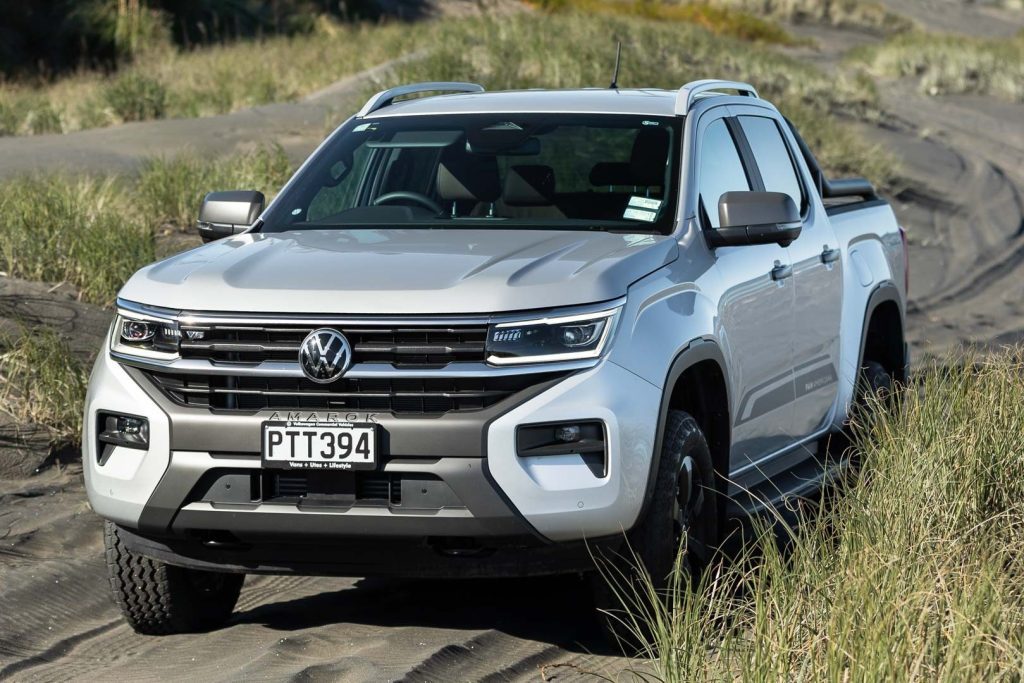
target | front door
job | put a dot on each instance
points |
(755, 309)
(817, 279)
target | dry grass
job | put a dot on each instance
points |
(95, 232)
(573, 49)
(859, 14)
(41, 382)
(913, 573)
(215, 80)
(946, 64)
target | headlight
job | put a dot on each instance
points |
(140, 335)
(550, 339)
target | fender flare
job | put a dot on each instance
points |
(696, 351)
(885, 292)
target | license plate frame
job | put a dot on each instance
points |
(305, 459)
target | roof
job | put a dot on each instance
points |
(646, 102)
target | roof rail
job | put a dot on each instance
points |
(688, 93)
(386, 97)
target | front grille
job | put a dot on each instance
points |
(400, 346)
(395, 395)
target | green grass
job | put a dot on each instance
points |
(170, 190)
(55, 228)
(572, 49)
(947, 64)
(41, 382)
(859, 14)
(167, 82)
(95, 232)
(913, 572)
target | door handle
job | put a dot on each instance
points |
(829, 255)
(781, 272)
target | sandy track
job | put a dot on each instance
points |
(57, 621)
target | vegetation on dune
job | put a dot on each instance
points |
(170, 190)
(166, 82)
(95, 232)
(41, 382)
(948, 64)
(578, 50)
(860, 14)
(717, 18)
(912, 572)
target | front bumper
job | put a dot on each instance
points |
(481, 489)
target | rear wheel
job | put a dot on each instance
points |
(682, 516)
(157, 598)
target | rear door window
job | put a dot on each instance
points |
(721, 169)
(772, 156)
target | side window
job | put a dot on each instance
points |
(772, 157)
(721, 170)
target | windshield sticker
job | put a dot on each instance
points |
(372, 125)
(640, 215)
(645, 203)
(648, 123)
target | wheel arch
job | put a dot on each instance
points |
(883, 332)
(697, 382)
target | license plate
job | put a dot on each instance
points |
(318, 446)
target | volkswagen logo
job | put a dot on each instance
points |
(325, 355)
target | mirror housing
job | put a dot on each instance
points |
(756, 218)
(228, 213)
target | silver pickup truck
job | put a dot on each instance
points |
(490, 334)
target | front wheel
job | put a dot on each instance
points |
(682, 517)
(157, 598)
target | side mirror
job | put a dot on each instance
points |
(756, 218)
(228, 213)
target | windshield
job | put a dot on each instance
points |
(550, 171)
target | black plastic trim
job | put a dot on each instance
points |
(696, 351)
(882, 293)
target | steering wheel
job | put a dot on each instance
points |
(421, 199)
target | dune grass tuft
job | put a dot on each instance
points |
(42, 382)
(170, 190)
(912, 572)
(858, 14)
(947, 64)
(55, 228)
(95, 232)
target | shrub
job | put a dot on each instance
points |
(135, 97)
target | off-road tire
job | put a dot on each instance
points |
(653, 541)
(874, 380)
(157, 598)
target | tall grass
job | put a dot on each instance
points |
(95, 232)
(55, 228)
(170, 190)
(717, 18)
(167, 82)
(914, 571)
(42, 382)
(947, 64)
(860, 14)
(573, 49)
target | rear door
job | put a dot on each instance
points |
(755, 304)
(817, 275)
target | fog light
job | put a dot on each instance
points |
(129, 431)
(586, 439)
(568, 433)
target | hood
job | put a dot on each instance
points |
(401, 271)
